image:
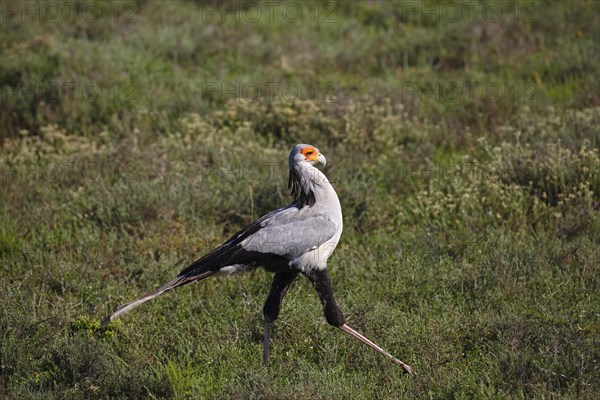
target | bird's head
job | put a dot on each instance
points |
(306, 153)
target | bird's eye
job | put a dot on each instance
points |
(309, 152)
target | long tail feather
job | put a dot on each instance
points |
(179, 281)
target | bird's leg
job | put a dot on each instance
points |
(279, 287)
(366, 341)
(334, 316)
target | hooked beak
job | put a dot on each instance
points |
(322, 159)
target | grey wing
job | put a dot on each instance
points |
(292, 239)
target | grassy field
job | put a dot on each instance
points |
(462, 138)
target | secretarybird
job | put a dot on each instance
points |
(298, 238)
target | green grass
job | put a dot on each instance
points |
(471, 221)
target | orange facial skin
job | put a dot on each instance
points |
(310, 153)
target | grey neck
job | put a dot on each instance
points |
(309, 185)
